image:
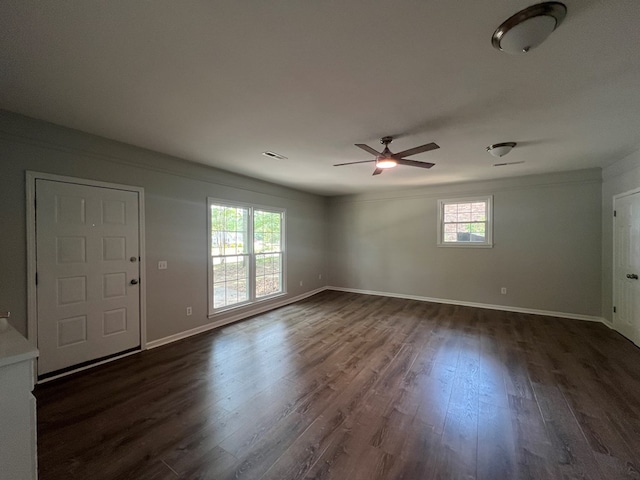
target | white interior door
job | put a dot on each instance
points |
(626, 318)
(88, 293)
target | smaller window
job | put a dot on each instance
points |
(465, 222)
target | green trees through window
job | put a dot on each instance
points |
(246, 246)
(267, 239)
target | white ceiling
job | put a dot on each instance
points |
(219, 82)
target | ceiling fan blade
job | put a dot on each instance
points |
(367, 148)
(351, 163)
(416, 150)
(414, 163)
(378, 171)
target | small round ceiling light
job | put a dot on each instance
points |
(500, 149)
(529, 27)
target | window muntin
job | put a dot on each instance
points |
(246, 254)
(465, 222)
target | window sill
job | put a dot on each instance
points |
(465, 245)
(246, 305)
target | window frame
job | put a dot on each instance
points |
(251, 281)
(488, 242)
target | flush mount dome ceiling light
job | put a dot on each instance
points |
(529, 27)
(500, 149)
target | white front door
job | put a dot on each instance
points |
(88, 295)
(626, 271)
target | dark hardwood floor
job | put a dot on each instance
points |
(347, 386)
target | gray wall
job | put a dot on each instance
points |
(552, 233)
(623, 176)
(547, 252)
(175, 198)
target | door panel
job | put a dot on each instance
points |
(87, 247)
(626, 266)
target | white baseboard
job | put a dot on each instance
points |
(233, 318)
(271, 306)
(505, 308)
(608, 323)
(281, 303)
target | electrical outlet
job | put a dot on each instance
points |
(503, 290)
(162, 265)
(189, 311)
(300, 282)
(319, 276)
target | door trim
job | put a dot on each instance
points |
(613, 257)
(32, 305)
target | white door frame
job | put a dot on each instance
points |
(32, 305)
(613, 269)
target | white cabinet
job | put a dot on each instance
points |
(18, 457)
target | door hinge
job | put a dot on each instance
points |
(614, 309)
(36, 278)
(615, 214)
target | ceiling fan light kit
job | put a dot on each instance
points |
(386, 160)
(500, 149)
(529, 27)
(386, 163)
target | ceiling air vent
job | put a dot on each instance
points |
(506, 163)
(274, 155)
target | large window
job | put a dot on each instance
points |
(246, 254)
(465, 222)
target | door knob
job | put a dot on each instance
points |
(134, 282)
(632, 276)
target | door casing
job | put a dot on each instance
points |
(613, 273)
(32, 306)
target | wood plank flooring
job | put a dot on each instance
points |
(346, 386)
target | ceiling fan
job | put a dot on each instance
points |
(387, 159)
